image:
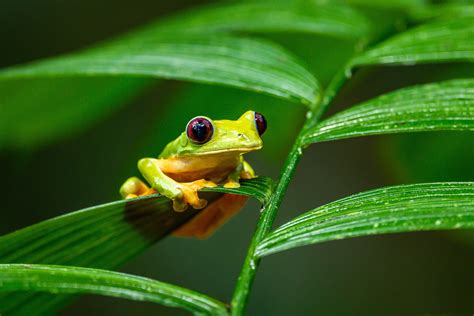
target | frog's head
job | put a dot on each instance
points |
(204, 136)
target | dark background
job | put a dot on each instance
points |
(426, 273)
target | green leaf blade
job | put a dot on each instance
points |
(260, 188)
(37, 111)
(442, 11)
(405, 208)
(64, 90)
(302, 17)
(238, 62)
(75, 280)
(441, 41)
(95, 237)
(446, 105)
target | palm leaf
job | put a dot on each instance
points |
(66, 86)
(450, 40)
(446, 105)
(95, 237)
(405, 208)
(399, 5)
(249, 64)
(267, 17)
(74, 280)
(442, 11)
(38, 110)
(64, 91)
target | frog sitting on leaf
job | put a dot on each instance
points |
(206, 154)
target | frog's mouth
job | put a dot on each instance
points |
(230, 151)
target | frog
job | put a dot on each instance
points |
(206, 154)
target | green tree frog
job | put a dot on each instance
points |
(208, 153)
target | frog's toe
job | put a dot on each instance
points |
(200, 204)
(232, 184)
(135, 187)
(200, 184)
(149, 192)
(247, 175)
(190, 194)
(191, 197)
(179, 205)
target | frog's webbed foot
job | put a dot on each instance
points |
(190, 195)
(243, 171)
(135, 187)
(231, 183)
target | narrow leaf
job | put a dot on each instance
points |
(259, 188)
(450, 40)
(399, 5)
(88, 84)
(265, 17)
(219, 62)
(446, 105)
(38, 111)
(103, 236)
(405, 208)
(253, 65)
(239, 62)
(75, 280)
(442, 11)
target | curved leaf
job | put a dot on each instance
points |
(245, 63)
(95, 237)
(75, 280)
(35, 111)
(400, 5)
(449, 40)
(442, 11)
(446, 105)
(151, 55)
(259, 188)
(405, 208)
(264, 17)
(58, 88)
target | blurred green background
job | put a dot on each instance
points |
(413, 274)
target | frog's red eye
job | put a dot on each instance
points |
(199, 130)
(260, 123)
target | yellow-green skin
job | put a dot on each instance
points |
(184, 167)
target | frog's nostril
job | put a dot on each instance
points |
(240, 135)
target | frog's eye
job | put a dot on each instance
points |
(260, 123)
(199, 130)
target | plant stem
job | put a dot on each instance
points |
(267, 216)
(269, 212)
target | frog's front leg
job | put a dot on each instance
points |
(247, 171)
(243, 171)
(182, 194)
